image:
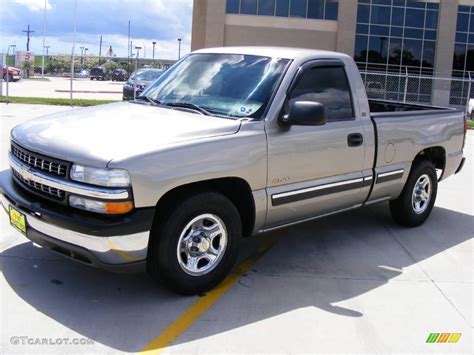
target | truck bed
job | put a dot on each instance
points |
(405, 130)
(384, 106)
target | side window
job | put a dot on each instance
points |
(328, 86)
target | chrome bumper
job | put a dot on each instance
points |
(105, 251)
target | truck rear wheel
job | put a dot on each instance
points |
(417, 199)
(196, 244)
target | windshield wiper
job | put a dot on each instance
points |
(149, 99)
(189, 105)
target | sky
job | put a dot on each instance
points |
(163, 21)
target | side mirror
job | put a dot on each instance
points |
(304, 113)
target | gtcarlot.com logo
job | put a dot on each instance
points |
(26, 340)
(443, 337)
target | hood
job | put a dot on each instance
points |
(96, 135)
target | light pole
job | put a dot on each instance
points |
(73, 49)
(154, 44)
(85, 52)
(179, 48)
(138, 53)
(47, 53)
(6, 66)
(44, 37)
(82, 55)
(129, 48)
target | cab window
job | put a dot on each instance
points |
(329, 86)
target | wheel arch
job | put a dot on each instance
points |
(436, 155)
(234, 188)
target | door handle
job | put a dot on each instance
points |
(355, 139)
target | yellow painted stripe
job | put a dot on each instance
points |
(186, 319)
(120, 252)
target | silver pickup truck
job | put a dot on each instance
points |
(228, 143)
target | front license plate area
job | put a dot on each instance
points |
(17, 219)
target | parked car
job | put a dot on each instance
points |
(228, 143)
(39, 70)
(374, 90)
(14, 74)
(98, 74)
(81, 73)
(138, 82)
(470, 110)
(119, 75)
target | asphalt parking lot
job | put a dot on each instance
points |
(354, 282)
(59, 87)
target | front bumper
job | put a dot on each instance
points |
(112, 243)
(128, 93)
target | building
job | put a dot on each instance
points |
(412, 50)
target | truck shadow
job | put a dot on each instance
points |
(319, 264)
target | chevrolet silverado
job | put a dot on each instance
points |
(228, 143)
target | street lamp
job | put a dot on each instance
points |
(179, 48)
(154, 44)
(74, 22)
(44, 37)
(138, 53)
(82, 55)
(85, 52)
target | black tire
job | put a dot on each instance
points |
(402, 209)
(10, 78)
(163, 264)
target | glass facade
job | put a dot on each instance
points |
(312, 9)
(463, 61)
(396, 36)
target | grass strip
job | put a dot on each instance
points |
(54, 101)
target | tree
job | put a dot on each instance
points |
(26, 66)
(110, 66)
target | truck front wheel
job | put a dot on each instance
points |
(196, 244)
(417, 199)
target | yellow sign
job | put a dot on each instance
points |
(17, 220)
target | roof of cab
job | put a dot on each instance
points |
(273, 52)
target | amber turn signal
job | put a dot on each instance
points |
(118, 207)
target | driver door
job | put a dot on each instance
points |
(314, 170)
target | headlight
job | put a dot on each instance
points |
(101, 177)
(100, 206)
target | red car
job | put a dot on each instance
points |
(14, 74)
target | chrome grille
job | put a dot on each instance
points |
(39, 162)
(40, 188)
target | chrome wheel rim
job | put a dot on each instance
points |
(202, 244)
(421, 194)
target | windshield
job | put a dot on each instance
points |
(147, 75)
(224, 84)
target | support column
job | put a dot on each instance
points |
(208, 24)
(448, 14)
(346, 27)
